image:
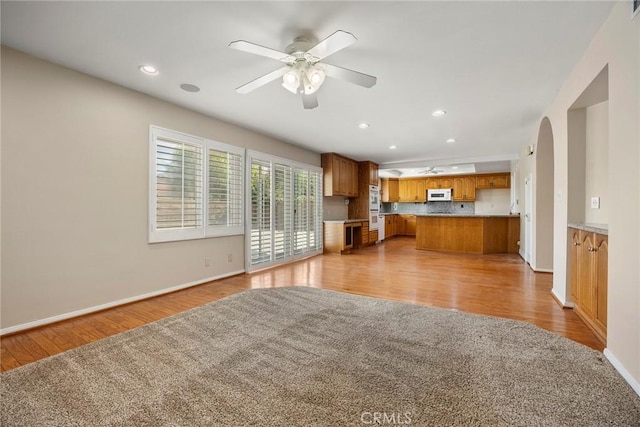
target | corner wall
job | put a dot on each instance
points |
(75, 193)
(617, 44)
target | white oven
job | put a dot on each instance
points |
(374, 207)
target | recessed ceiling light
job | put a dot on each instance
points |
(363, 125)
(149, 69)
(438, 113)
(454, 167)
(451, 141)
(189, 87)
(393, 147)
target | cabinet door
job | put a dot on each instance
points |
(602, 267)
(421, 190)
(373, 173)
(445, 183)
(500, 181)
(394, 190)
(470, 188)
(410, 226)
(404, 191)
(586, 271)
(352, 184)
(387, 226)
(401, 225)
(574, 239)
(432, 183)
(458, 189)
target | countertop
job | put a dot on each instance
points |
(455, 215)
(344, 221)
(591, 227)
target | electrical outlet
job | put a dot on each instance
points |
(207, 261)
(229, 257)
(595, 203)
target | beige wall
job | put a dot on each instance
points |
(334, 208)
(75, 192)
(493, 201)
(618, 45)
(596, 181)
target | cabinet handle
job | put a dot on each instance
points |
(576, 244)
(591, 249)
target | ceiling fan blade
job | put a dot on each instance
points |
(246, 46)
(332, 44)
(310, 101)
(355, 77)
(261, 81)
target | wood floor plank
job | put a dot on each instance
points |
(495, 285)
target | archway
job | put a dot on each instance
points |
(544, 195)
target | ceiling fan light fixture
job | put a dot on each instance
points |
(291, 81)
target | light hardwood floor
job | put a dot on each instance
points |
(497, 285)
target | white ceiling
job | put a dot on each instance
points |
(493, 66)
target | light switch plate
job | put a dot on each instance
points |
(595, 203)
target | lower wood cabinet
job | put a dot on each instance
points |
(588, 263)
(390, 226)
(407, 225)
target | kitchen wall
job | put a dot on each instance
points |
(616, 45)
(335, 208)
(75, 153)
(597, 162)
(493, 201)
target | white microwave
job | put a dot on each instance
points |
(439, 195)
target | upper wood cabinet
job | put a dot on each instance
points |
(370, 170)
(412, 190)
(340, 175)
(498, 180)
(464, 188)
(588, 266)
(390, 190)
(433, 183)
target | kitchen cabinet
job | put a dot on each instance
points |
(434, 183)
(412, 190)
(390, 190)
(406, 225)
(340, 175)
(464, 188)
(370, 170)
(588, 263)
(498, 180)
(390, 226)
(373, 236)
(341, 236)
(482, 234)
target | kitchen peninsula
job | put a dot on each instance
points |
(484, 234)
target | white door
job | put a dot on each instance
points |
(528, 208)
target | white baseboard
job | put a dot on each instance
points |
(563, 302)
(635, 385)
(77, 313)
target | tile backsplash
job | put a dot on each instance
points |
(430, 207)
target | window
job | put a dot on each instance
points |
(182, 204)
(285, 210)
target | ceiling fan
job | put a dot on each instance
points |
(303, 72)
(431, 170)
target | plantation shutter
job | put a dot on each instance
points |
(285, 210)
(195, 187)
(225, 201)
(260, 238)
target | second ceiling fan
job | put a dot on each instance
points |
(303, 72)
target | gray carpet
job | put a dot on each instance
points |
(307, 357)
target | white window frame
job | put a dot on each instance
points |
(205, 230)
